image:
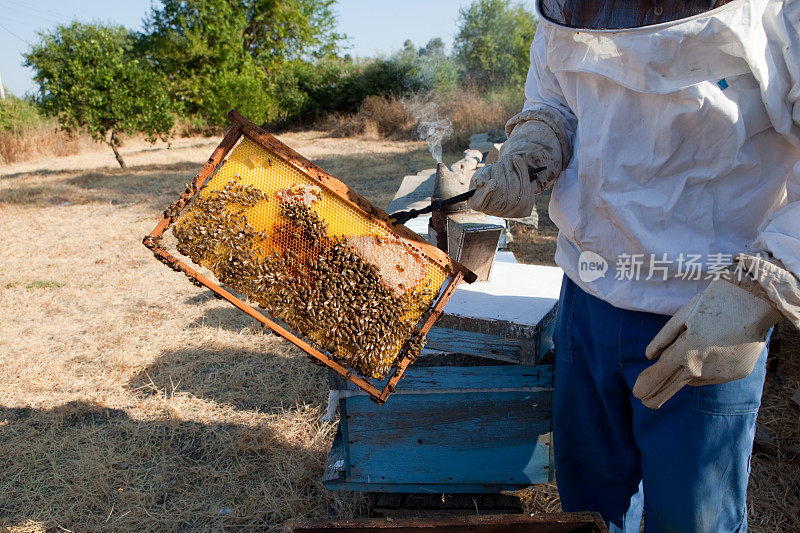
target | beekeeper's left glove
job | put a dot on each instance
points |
(715, 338)
(536, 138)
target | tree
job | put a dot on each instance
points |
(244, 43)
(278, 31)
(493, 42)
(90, 79)
(434, 48)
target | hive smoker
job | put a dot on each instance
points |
(465, 235)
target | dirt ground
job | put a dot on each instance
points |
(131, 400)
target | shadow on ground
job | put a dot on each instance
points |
(227, 318)
(159, 185)
(83, 466)
(36, 173)
(155, 185)
(270, 379)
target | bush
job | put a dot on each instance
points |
(378, 117)
(307, 92)
(26, 133)
(243, 91)
(17, 115)
(391, 115)
(468, 109)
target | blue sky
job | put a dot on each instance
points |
(374, 26)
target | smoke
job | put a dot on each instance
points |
(430, 127)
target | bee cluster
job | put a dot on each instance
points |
(317, 284)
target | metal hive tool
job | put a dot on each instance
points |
(330, 272)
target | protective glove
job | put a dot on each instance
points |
(779, 285)
(504, 188)
(715, 338)
(536, 139)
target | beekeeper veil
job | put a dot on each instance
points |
(618, 14)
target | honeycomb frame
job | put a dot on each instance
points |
(246, 131)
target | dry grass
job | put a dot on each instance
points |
(774, 492)
(378, 118)
(393, 117)
(43, 141)
(131, 400)
(471, 113)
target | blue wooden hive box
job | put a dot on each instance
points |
(473, 414)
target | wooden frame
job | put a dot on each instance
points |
(519, 523)
(242, 127)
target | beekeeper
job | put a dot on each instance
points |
(671, 134)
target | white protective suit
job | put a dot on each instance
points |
(685, 145)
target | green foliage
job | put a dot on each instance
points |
(221, 54)
(304, 90)
(18, 115)
(434, 48)
(493, 42)
(198, 45)
(90, 79)
(209, 97)
(423, 69)
(307, 91)
(434, 69)
(243, 90)
(44, 284)
(279, 31)
(396, 75)
(274, 60)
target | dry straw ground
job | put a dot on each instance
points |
(130, 400)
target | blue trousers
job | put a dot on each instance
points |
(685, 466)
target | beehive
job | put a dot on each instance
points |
(299, 244)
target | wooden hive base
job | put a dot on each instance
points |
(449, 429)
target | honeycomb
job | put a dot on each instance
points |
(347, 284)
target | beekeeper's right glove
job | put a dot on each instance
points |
(536, 138)
(715, 338)
(719, 335)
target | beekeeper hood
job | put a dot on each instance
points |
(686, 148)
(618, 14)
